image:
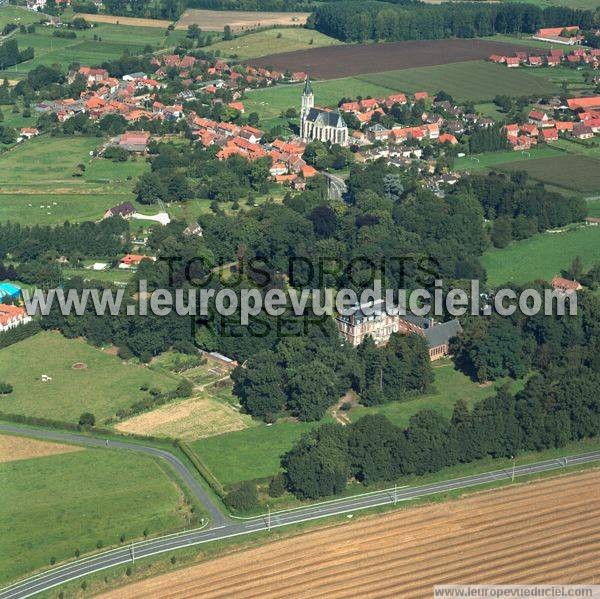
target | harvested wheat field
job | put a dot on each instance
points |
(134, 21)
(14, 448)
(543, 532)
(189, 420)
(238, 20)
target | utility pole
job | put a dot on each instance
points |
(513, 468)
(132, 554)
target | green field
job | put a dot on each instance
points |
(104, 387)
(542, 256)
(51, 506)
(477, 80)
(269, 102)
(19, 16)
(112, 42)
(251, 453)
(473, 80)
(256, 452)
(273, 41)
(478, 162)
(594, 208)
(577, 173)
(37, 185)
(450, 385)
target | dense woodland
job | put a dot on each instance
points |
(361, 21)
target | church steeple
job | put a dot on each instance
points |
(308, 98)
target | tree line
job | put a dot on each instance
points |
(361, 21)
(307, 375)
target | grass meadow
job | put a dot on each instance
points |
(450, 385)
(38, 186)
(572, 172)
(111, 42)
(53, 506)
(103, 387)
(255, 453)
(478, 80)
(478, 162)
(542, 256)
(273, 41)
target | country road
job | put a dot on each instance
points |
(226, 528)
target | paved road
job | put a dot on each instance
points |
(216, 516)
(337, 187)
(125, 555)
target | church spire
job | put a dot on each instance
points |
(307, 87)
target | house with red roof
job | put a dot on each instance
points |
(12, 316)
(447, 138)
(565, 286)
(512, 61)
(548, 134)
(421, 96)
(540, 118)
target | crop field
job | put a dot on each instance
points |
(474, 80)
(478, 81)
(272, 41)
(104, 386)
(238, 20)
(190, 419)
(111, 42)
(542, 256)
(349, 60)
(577, 173)
(13, 448)
(41, 181)
(542, 532)
(132, 21)
(55, 505)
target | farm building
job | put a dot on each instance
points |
(124, 210)
(134, 141)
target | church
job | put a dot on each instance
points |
(316, 123)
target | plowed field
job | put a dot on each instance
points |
(349, 60)
(543, 532)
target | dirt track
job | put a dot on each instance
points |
(546, 532)
(348, 60)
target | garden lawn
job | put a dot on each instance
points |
(477, 80)
(273, 41)
(103, 387)
(449, 386)
(542, 256)
(578, 173)
(52, 506)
